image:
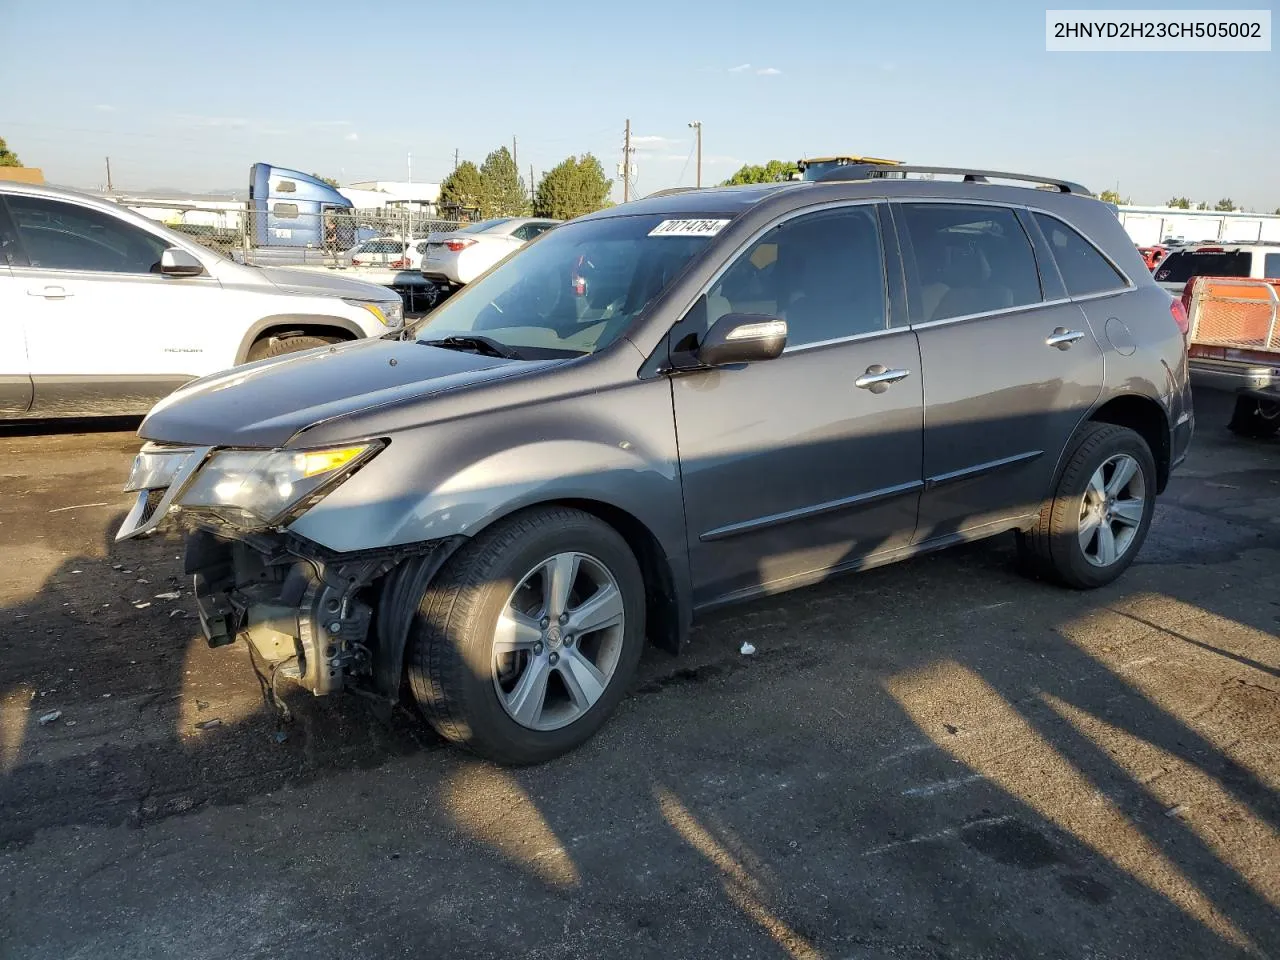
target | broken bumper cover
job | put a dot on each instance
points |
(328, 621)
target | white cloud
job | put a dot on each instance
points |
(352, 136)
(740, 68)
(105, 108)
(769, 72)
(652, 142)
(199, 120)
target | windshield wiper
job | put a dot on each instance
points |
(477, 344)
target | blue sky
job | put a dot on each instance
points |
(190, 95)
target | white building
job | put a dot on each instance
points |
(393, 194)
(1151, 225)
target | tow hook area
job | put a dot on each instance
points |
(307, 616)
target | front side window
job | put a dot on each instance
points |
(970, 259)
(573, 292)
(65, 236)
(1084, 270)
(823, 273)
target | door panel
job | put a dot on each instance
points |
(790, 471)
(1010, 367)
(1002, 404)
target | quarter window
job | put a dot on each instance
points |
(66, 236)
(823, 273)
(970, 259)
(1084, 270)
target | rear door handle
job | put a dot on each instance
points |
(878, 377)
(1062, 338)
(50, 292)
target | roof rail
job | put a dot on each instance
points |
(671, 191)
(880, 171)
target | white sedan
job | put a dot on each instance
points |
(392, 253)
(456, 258)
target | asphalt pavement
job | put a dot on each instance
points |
(935, 759)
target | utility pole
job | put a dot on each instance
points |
(108, 174)
(696, 126)
(514, 161)
(626, 163)
(532, 198)
(455, 158)
(410, 163)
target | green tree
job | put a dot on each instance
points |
(329, 180)
(1180, 203)
(1225, 205)
(463, 188)
(503, 192)
(7, 157)
(573, 187)
(1109, 196)
(1202, 205)
(770, 172)
(1276, 212)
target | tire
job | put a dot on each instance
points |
(468, 694)
(1053, 549)
(278, 347)
(1255, 419)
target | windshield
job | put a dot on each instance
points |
(484, 225)
(574, 290)
(1181, 266)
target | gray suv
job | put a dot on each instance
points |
(665, 407)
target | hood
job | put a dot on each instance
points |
(324, 283)
(264, 404)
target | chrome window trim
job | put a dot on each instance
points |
(1004, 311)
(852, 338)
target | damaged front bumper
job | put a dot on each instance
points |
(328, 621)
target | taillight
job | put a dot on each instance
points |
(1180, 317)
(355, 262)
(399, 264)
(460, 244)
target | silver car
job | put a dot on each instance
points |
(456, 258)
(669, 406)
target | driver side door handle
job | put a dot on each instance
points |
(878, 377)
(50, 292)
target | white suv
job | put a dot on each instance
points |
(103, 311)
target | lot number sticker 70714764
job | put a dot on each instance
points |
(688, 228)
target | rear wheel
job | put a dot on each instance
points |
(1092, 528)
(279, 346)
(527, 640)
(1254, 418)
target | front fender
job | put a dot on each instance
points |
(616, 447)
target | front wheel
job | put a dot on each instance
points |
(526, 641)
(1093, 526)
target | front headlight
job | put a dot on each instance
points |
(261, 488)
(390, 313)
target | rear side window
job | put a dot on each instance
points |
(285, 211)
(1182, 265)
(1271, 266)
(1084, 270)
(970, 259)
(823, 273)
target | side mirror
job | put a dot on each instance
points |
(176, 262)
(742, 338)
